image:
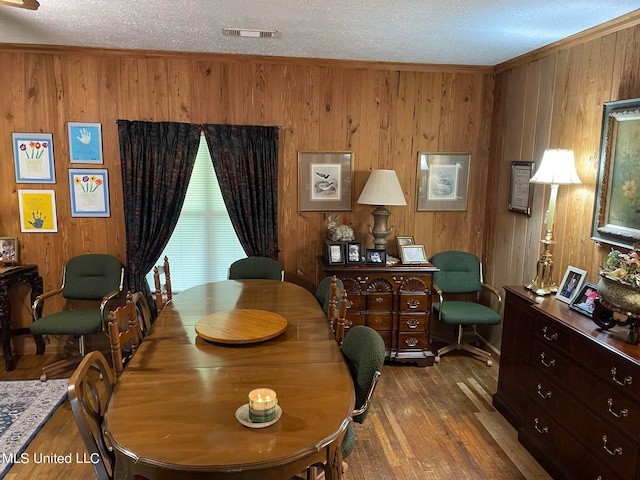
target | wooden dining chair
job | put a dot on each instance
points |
(89, 390)
(164, 292)
(124, 333)
(337, 310)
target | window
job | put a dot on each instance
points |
(204, 243)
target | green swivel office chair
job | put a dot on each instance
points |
(256, 268)
(90, 278)
(460, 273)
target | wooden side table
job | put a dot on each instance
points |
(394, 300)
(9, 278)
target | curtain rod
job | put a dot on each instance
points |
(279, 127)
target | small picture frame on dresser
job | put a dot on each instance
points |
(585, 301)
(354, 252)
(335, 253)
(8, 251)
(375, 256)
(570, 285)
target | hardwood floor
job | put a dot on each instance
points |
(425, 423)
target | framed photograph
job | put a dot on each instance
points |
(443, 180)
(413, 254)
(570, 285)
(615, 216)
(335, 253)
(324, 181)
(37, 211)
(354, 252)
(376, 256)
(584, 301)
(8, 251)
(520, 190)
(85, 142)
(33, 157)
(401, 241)
(89, 190)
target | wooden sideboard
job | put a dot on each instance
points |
(395, 301)
(571, 389)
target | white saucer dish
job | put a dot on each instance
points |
(242, 414)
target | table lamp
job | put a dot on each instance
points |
(382, 189)
(557, 168)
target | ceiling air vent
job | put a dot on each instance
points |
(244, 32)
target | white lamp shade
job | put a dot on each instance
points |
(558, 167)
(382, 188)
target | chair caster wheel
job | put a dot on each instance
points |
(43, 377)
(437, 359)
(489, 363)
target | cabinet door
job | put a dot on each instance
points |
(517, 336)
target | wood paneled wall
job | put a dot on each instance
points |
(554, 101)
(384, 114)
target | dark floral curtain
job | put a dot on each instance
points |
(157, 159)
(245, 159)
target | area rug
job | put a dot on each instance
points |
(25, 405)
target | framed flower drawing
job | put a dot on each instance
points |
(33, 157)
(89, 190)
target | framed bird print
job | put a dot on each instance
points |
(324, 181)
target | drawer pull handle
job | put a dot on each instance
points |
(413, 323)
(411, 341)
(413, 304)
(623, 413)
(538, 429)
(379, 299)
(349, 304)
(549, 364)
(615, 451)
(626, 381)
(543, 395)
(547, 337)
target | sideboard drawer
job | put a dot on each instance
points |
(414, 302)
(412, 323)
(380, 321)
(412, 340)
(379, 301)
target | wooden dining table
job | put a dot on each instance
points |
(172, 413)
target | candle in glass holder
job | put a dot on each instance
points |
(262, 405)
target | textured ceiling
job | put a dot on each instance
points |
(465, 32)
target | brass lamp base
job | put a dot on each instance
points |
(543, 283)
(380, 230)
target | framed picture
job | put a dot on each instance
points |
(615, 216)
(8, 250)
(37, 211)
(520, 190)
(33, 157)
(401, 241)
(85, 142)
(584, 301)
(89, 190)
(335, 253)
(570, 285)
(413, 254)
(375, 255)
(443, 180)
(324, 181)
(354, 252)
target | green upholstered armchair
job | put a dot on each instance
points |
(323, 291)
(364, 353)
(91, 277)
(461, 273)
(256, 267)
